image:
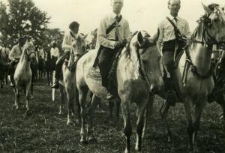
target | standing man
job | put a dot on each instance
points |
(14, 56)
(167, 44)
(54, 52)
(67, 44)
(112, 35)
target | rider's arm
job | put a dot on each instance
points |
(11, 54)
(101, 36)
(160, 38)
(187, 30)
(127, 31)
(65, 43)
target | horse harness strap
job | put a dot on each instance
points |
(141, 70)
(189, 64)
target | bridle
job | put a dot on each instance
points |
(208, 41)
(28, 54)
(142, 71)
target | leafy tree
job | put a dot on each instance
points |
(53, 35)
(4, 19)
(24, 19)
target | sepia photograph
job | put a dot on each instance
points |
(112, 76)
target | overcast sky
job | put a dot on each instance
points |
(141, 14)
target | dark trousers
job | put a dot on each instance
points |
(169, 63)
(105, 62)
(12, 69)
(59, 63)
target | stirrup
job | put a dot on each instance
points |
(55, 85)
(110, 96)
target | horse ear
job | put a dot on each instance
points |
(207, 10)
(140, 38)
(85, 36)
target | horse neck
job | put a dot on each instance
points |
(23, 59)
(201, 52)
(132, 61)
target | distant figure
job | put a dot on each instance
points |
(14, 56)
(67, 43)
(54, 51)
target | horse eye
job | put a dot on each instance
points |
(216, 20)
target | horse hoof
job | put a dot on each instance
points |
(92, 139)
(126, 151)
(84, 142)
(16, 107)
(69, 122)
(77, 121)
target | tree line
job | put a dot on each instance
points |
(22, 18)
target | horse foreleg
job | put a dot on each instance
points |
(148, 113)
(127, 124)
(190, 129)
(78, 106)
(95, 100)
(164, 114)
(111, 105)
(28, 88)
(196, 124)
(62, 96)
(17, 97)
(82, 101)
(140, 125)
(70, 97)
(118, 109)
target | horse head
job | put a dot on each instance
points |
(214, 21)
(78, 49)
(149, 59)
(29, 51)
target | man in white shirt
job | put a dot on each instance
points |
(68, 40)
(14, 56)
(54, 51)
(167, 42)
(112, 35)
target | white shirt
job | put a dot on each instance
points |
(15, 53)
(166, 29)
(54, 52)
(108, 40)
(68, 41)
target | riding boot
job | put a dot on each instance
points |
(58, 69)
(11, 73)
(171, 97)
(12, 84)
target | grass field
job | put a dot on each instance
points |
(44, 131)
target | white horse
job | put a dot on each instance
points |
(23, 74)
(69, 79)
(139, 71)
(195, 87)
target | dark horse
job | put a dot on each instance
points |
(4, 67)
(50, 66)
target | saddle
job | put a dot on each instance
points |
(94, 75)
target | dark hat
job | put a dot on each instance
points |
(73, 25)
(21, 39)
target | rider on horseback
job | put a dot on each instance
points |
(169, 45)
(67, 43)
(14, 56)
(112, 35)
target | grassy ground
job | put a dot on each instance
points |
(45, 131)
